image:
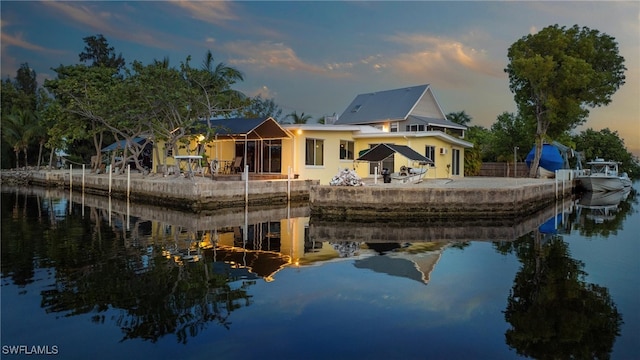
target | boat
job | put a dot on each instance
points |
(550, 160)
(603, 176)
(409, 175)
(602, 206)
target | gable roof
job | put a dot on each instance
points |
(384, 105)
(383, 151)
(256, 128)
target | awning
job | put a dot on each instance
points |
(381, 152)
(120, 145)
(252, 129)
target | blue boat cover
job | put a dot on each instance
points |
(551, 226)
(550, 159)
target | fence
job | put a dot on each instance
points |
(503, 169)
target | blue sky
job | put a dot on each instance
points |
(315, 57)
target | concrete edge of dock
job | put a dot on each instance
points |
(464, 198)
(195, 194)
(467, 199)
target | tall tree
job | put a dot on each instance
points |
(27, 85)
(214, 81)
(86, 98)
(19, 114)
(99, 53)
(215, 96)
(17, 131)
(511, 131)
(556, 74)
(262, 108)
(161, 96)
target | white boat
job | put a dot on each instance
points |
(409, 175)
(602, 206)
(603, 176)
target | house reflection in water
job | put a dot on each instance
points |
(261, 249)
(253, 244)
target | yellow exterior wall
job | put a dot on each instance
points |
(294, 151)
(332, 163)
(223, 150)
(439, 170)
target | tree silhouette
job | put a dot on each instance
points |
(553, 312)
(299, 119)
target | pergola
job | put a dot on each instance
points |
(247, 129)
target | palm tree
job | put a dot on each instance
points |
(459, 117)
(299, 119)
(16, 130)
(38, 132)
(216, 85)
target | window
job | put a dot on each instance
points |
(394, 127)
(169, 152)
(430, 152)
(455, 159)
(346, 150)
(314, 154)
(415, 127)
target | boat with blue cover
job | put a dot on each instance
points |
(550, 160)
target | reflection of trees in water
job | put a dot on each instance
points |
(160, 299)
(100, 267)
(553, 312)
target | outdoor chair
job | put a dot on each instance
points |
(237, 165)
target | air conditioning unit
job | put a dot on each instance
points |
(443, 151)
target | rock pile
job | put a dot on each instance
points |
(15, 177)
(346, 177)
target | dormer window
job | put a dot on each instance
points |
(356, 108)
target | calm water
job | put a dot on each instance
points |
(85, 277)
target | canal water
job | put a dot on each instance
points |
(91, 277)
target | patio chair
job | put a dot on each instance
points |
(237, 164)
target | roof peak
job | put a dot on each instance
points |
(407, 88)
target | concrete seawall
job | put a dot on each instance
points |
(468, 198)
(436, 229)
(199, 193)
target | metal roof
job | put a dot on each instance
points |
(438, 122)
(383, 105)
(383, 151)
(257, 128)
(120, 145)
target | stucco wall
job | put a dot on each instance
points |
(438, 171)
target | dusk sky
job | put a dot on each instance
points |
(315, 57)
